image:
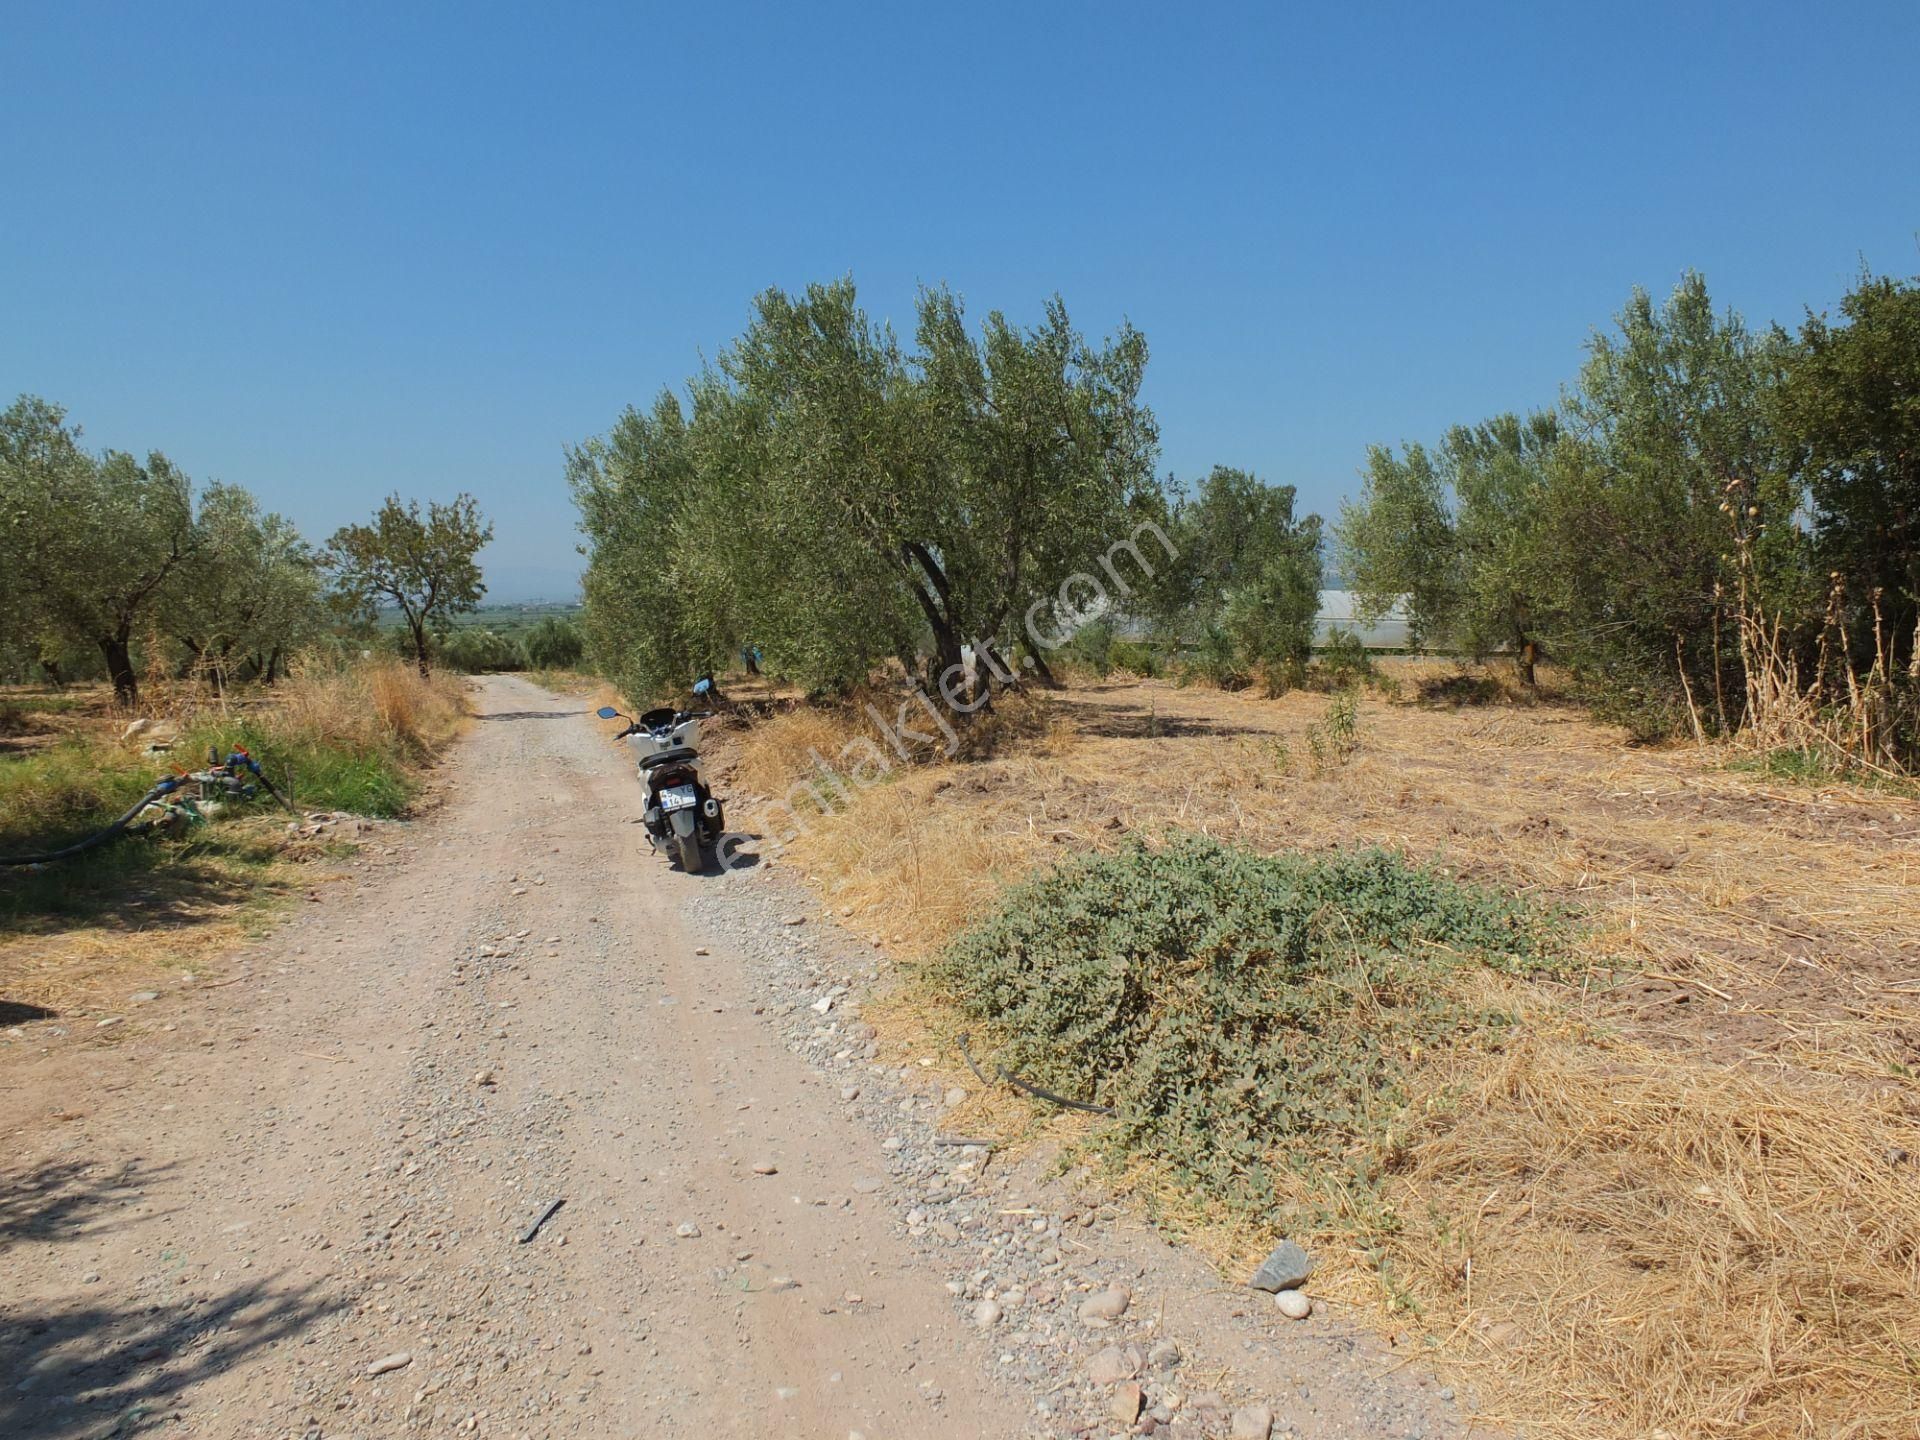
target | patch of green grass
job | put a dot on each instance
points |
(59, 794)
(1817, 767)
(1243, 1014)
(317, 774)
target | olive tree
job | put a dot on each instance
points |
(1453, 535)
(253, 594)
(423, 565)
(91, 542)
(1849, 412)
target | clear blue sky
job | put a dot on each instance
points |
(332, 253)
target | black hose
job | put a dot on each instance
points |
(119, 827)
(99, 837)
(268, 784)
(1028, 1086)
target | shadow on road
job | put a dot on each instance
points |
(69, 1200)
(92, 1362)
(94, 1368)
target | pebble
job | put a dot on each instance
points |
(1251, 1422)
(1293, 1305)
(1106, 1305)
(399, 1360)
(687, 1230)
(1126, 1402)
(766, 1167)
(986, 1314)
(141, 997)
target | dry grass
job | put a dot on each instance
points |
(1749, 1024)
(370, 705)
(1627, 1241)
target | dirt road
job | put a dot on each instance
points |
(223, 1223)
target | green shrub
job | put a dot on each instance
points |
(554, 644)
(475, 650)
(1136, 656)
(1091, 646)
(1240, 1012)
(1215, 661)
(1343, 660)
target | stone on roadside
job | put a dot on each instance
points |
(1110, 1366)
(1125, 1404)
(399, 1360)
(1287, 1268)
(987, 1314)
(1251, 1422)
(766, 1167)
(1105, 1306)
(687, 1230)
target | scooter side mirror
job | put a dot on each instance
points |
(607, 712)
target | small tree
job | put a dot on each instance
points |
(1454, 536)
(1398, 544)
(1246, 584)
(424, 566)
(554, 644)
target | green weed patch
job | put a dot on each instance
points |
(1243, 1014)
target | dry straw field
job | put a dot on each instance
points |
(1680, 1202)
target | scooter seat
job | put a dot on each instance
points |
(680, 753)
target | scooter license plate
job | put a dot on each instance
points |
(677, 797)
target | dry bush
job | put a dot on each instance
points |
(371, 704)
(777, 753)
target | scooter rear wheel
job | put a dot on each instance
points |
(687, 847)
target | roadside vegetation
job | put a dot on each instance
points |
(76, 935)
(1716, 532)
(148, 621)
(1712, 534)
(1583, 1060)
(1613, 1124)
